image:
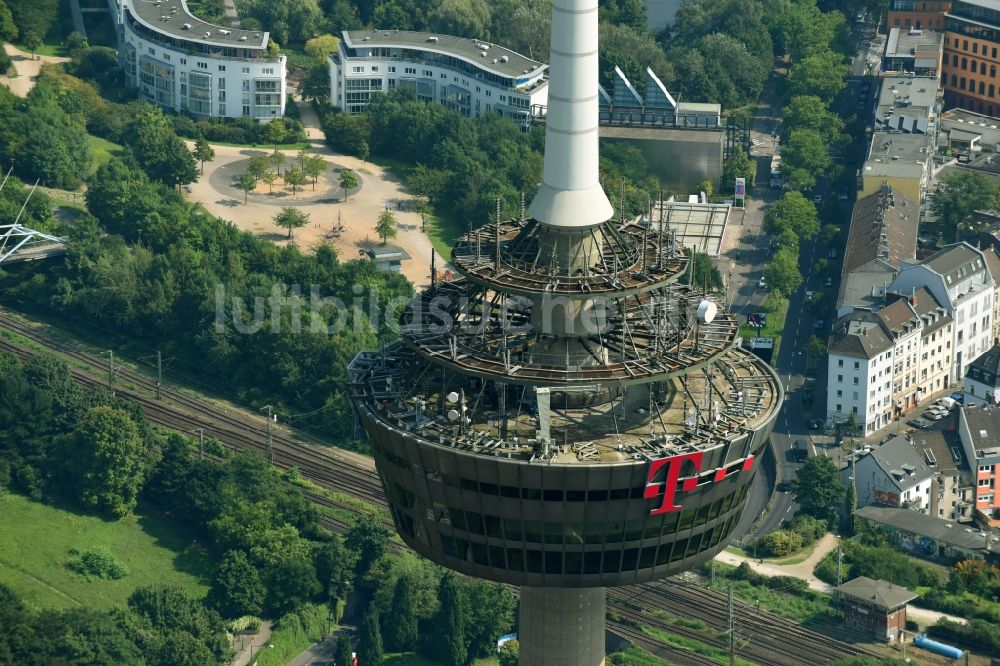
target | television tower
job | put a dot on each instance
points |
(574, 412)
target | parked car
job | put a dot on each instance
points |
(817, 198)
(829, 281)
(762, 283)
(833, 253)
(843, 195)
(920, 423)
(932, 415)
(815, 424)
(807, 395)
(820, 323)
(957, 397)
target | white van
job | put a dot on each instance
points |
(946, 402)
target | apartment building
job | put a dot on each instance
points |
(959, 280)
(979, 431)
(892, 474)
(917, 14)
(859, 371)
(982, 381)
(969, 73)
(179, 62)
(883, 362)
(470, 76)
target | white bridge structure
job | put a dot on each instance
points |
(18, 243)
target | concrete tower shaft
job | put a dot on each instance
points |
(570, 194)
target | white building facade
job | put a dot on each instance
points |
(470, 76)
(960, 281)
(184, 64)
(860, 372)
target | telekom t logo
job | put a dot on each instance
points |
(672, 481)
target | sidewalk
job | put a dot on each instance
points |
(253, 645)
(804, 570)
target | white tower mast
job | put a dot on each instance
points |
(570, 194)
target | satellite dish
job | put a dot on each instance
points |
(453, 414)
(453, 397)
(707, 311)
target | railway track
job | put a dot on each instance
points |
(778, 641)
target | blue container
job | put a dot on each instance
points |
(922, 641)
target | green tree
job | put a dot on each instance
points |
(782, 542)
(449, 623)
(318, 48)
(819, 489)
(314, 166)
(74, 42)
(957, 196)
(269, 177)
(106, 462)
(32, 42)
(159, 151)
(401, 620)
(258, 166)
(821, 74)
(275, 133)
(782, 273)
(236, 586)
(369, 540)
(247, 183)
(465, 18)
(510, 653)
(35, 16)
(290, 218)
(370, 648)
(739, 165)
(343, 656)
(793, 211)
(811, 112)
(386, 226)
(805, 157)
(8, 29)
(203, 152)
(348, 181)
(167, 610)
(815, 347)
(806, 30)
(295, 177)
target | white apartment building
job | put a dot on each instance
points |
(184, 64)
(881, 364)
(859, 368)
(958, 278)
(470, 76)
(892, 474)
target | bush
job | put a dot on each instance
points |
(237, 130)
(294, 632)
(98, 562)
(978, 634)
(879, 562)
(781, 542)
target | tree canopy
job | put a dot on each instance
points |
(957, 196)
(819, 489)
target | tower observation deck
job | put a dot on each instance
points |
(573, 412)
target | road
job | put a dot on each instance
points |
(800, 321)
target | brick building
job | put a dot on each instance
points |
(875, 608)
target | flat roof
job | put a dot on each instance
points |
(864, 287)
(908, 95)
(970, 125)
(921, 524)
(170, 16)
(698, 225)
(906, 43)
(464, 48)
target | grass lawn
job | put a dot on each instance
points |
(36, 540)
(775, 324)
(443, 231)
(101, 150)
(52, 42)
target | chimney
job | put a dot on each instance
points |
(570, 194)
